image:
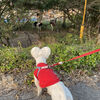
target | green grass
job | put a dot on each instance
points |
(11, 58)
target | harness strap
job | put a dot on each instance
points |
(39, 68)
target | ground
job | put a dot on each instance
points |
(13, 86)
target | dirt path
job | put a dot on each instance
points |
(14, 87)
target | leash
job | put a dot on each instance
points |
(85, 54)
(59, 63)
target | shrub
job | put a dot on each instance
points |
(68, 39)
(11, 58)
(63, 52)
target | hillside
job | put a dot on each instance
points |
(82, 76)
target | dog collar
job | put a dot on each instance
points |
(42, 65)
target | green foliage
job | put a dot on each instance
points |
(36, 4)
(11, 58)
(68, 39)
(64, 52)
(30, 77)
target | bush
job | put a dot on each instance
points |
(11, 58)
(63, 52)
(68, 39)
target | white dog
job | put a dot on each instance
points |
(46, 78)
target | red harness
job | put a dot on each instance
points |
(45, 75)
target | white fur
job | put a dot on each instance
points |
(40, 60)
(40, 55)
(35, 52)
(57, 91)
(39, 89)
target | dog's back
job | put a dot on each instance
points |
(59, 91)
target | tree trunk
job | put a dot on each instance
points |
(64, 20)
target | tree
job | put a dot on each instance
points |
(9, 20)
(40, 5)
(93, 12)
(73, 10)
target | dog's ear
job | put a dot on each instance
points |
(35, 52)
(45, 52)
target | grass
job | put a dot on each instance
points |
(64, 46)
(11, 58)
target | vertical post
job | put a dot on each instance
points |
(82, 26)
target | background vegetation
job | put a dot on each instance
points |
(64, 45)
(20, 58)
(13, 11)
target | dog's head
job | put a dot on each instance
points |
(40, 55)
